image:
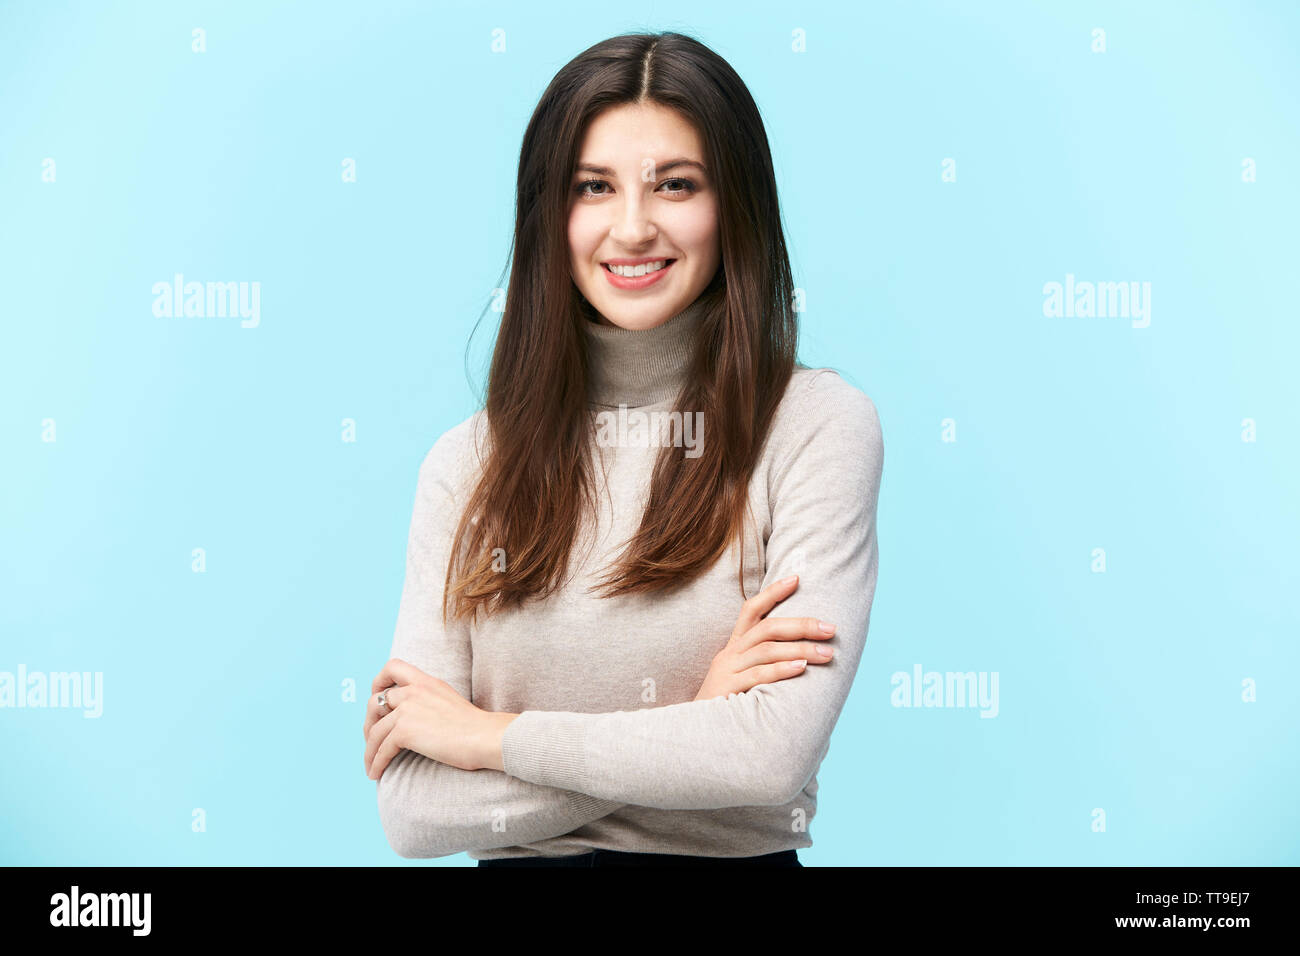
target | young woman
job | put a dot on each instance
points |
(587, 669)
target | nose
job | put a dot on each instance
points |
(632, 226)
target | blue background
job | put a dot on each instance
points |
(1119, 690)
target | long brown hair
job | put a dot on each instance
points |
(537, 483)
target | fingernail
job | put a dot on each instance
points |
(791, 579)
(826, 628)
(796, 665)
(823, 651)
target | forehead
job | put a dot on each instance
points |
(623, 136)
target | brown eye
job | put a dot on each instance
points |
(687, 186)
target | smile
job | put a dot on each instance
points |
(638, 276)
(643, 269)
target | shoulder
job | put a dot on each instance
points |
(457, 456)
(811, 387)
(825, 448)
(822, 411)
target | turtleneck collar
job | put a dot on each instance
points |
(643, 366)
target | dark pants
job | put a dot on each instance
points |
(619, 858)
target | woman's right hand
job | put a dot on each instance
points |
(763, 650)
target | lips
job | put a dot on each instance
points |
(637, 282)
(625, 263)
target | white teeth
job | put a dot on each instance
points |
(633, 271)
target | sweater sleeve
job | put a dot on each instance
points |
(431, 809)
(761, 747)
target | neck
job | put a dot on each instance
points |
(643, 366)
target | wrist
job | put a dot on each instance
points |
(495, 726)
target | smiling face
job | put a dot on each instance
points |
(641, 198)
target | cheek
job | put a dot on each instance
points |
(696, 229)
(584, 234)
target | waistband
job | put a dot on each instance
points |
(621, 858)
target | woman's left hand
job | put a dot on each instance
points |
(427, 715)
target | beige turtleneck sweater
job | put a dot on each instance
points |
(610, 750)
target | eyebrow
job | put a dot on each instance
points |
(659, 167)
